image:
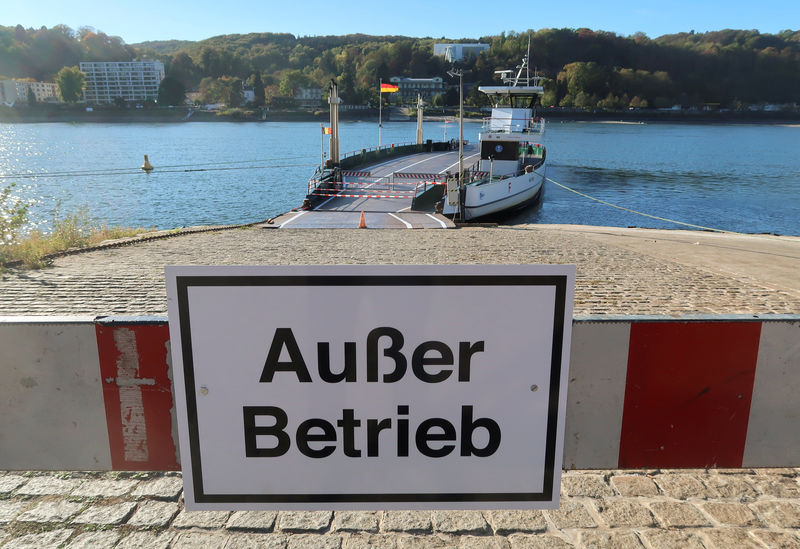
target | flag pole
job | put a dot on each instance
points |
(380, 109)
(321, 146)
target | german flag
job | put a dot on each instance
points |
(389, 88)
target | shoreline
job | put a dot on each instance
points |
(61, 113)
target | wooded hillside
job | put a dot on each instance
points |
(585, 68)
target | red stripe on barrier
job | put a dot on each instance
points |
(356, 174)
(415, 175)
(687, 394)
(373, 185)
(138, 396)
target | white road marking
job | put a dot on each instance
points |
(282, 225)
(404, 222)
(392, 160)
(456, 163)
(403, 209)
(439, 221)
(321, 205)
(423, 160)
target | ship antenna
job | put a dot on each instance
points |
(528, 62)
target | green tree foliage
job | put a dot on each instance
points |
(182, 68)
(233, 94)
(171, 92)
(258, 89)
(41, 53)
(226, 89)
(97, 46)
(590, 68)
(13, 215)
(210, 90)
(70, 82)
(291, 80)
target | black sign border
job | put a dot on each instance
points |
(184, 282)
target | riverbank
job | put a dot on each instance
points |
(79, 114)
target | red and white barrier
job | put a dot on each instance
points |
(341, 195)
(350, 173)
(416, 175)
(86, 394)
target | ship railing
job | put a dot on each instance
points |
(481, 178)
(514, 125)
(356, 182)
(476, 177)
(373, 149)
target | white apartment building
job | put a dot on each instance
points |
(457, 52)
(12, 91)
(131, 80)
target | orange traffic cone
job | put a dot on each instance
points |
(362, 224)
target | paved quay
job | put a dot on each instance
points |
(619, 272)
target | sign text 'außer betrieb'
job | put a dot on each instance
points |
(431, 362)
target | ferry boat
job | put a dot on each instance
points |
(414, 185)
(512, 169)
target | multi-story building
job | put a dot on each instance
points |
(408, 88)
(458, 52)
(12, 91)
(107, 81)
(308, 97)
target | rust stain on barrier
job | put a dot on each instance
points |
(134, 427)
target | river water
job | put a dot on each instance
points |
(743, 178)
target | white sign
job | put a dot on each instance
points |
(371, 387)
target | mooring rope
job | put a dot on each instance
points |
(640, 213)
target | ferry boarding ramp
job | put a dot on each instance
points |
(384, 191)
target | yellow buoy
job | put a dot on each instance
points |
(147, 166)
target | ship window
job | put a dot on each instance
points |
(499, 150)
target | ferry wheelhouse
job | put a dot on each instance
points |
(512, 169)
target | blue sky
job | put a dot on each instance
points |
(180, 19)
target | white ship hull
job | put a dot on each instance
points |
(501, 195)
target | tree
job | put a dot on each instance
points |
(70, 82)
(210, 90)
(258, 90)
(232, 93)
(222, 90)
(13, 215)
(184, 70)
(451, 97)
(171, 92)
(31, 96)
(292, 80)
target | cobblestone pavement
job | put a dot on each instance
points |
(612, 277)
(599, 509)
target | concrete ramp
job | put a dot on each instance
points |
(324, 219)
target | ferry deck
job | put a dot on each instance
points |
(384, 193)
